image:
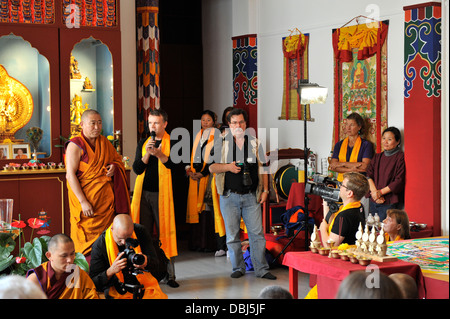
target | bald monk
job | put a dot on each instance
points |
(109, 270)
(96, 182)
(59, 277)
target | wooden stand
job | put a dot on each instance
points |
(373, 257)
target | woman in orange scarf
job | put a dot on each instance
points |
(198, 212)
(352, 154)
(396, 225)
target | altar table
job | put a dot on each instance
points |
(330, 272)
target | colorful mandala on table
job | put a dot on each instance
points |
(431, 254)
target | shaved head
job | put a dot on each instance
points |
(122, 228)
(58, 239)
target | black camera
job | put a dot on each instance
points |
(132, 257)
(246, 178)
(326, 188)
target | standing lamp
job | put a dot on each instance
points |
(309, 93)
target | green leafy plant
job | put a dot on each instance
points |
(32, 254)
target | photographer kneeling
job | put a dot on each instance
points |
(343, 225)
(113, 269)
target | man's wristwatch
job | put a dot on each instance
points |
(266, 191)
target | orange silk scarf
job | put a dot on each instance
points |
(151, 286)
(342, 208)
(167, 230)
(343, 154)
(99, 191)
(196, 194)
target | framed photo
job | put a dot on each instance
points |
(20, 151)
(5, 151)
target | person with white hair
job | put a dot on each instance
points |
(18, 287)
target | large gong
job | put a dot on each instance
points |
(284, 177)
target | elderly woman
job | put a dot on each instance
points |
(396, 225)
(386, 174)
(352, 154)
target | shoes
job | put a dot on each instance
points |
(220, 253)
(172, 283)
(269, 276)
(236, 274)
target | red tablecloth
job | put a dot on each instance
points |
(330, 272)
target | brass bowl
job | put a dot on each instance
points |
(314, 250)
(335, 254)
(324, 251)
(353, 259)
(345, 257)
(364, 261)
(276, 229)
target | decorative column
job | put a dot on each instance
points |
(148, 68)
(422, 102)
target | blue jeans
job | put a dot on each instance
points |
(234, 206)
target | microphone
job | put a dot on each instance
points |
(153, 135)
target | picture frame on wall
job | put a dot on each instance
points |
(20, 151)
(5, 151)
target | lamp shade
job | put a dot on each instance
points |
(312, 93)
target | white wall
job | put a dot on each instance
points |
(129, 100)
(271, 20)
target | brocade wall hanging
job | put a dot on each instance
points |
(27, 11)
(295, 68)
(148, 67)
(360, 78)
(245, 77)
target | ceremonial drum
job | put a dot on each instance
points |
(284, 177)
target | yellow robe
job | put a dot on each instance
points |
(78, 285)
(167, 230)
(151, 286)
(99, 191)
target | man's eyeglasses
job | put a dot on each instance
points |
(342, 185)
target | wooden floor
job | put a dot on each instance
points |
(203, 276)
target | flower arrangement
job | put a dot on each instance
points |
(32, 254)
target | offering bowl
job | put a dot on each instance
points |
(324, 251)
(364, 261)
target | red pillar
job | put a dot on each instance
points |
(422, 102)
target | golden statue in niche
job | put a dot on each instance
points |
(76, 110)
(74, 71)
(87, 85)
(16, 105)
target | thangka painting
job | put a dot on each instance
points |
(360, 78)
(148, 67)
(295, 68)
(245, 77)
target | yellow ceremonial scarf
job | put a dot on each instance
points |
(196, 194)
(219, 224)
(343, 154)
(151, 286)
(388, 238)
(342, 208)
(167, 230)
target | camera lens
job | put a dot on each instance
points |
(138, 259)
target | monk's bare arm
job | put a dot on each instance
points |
(73, 155)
